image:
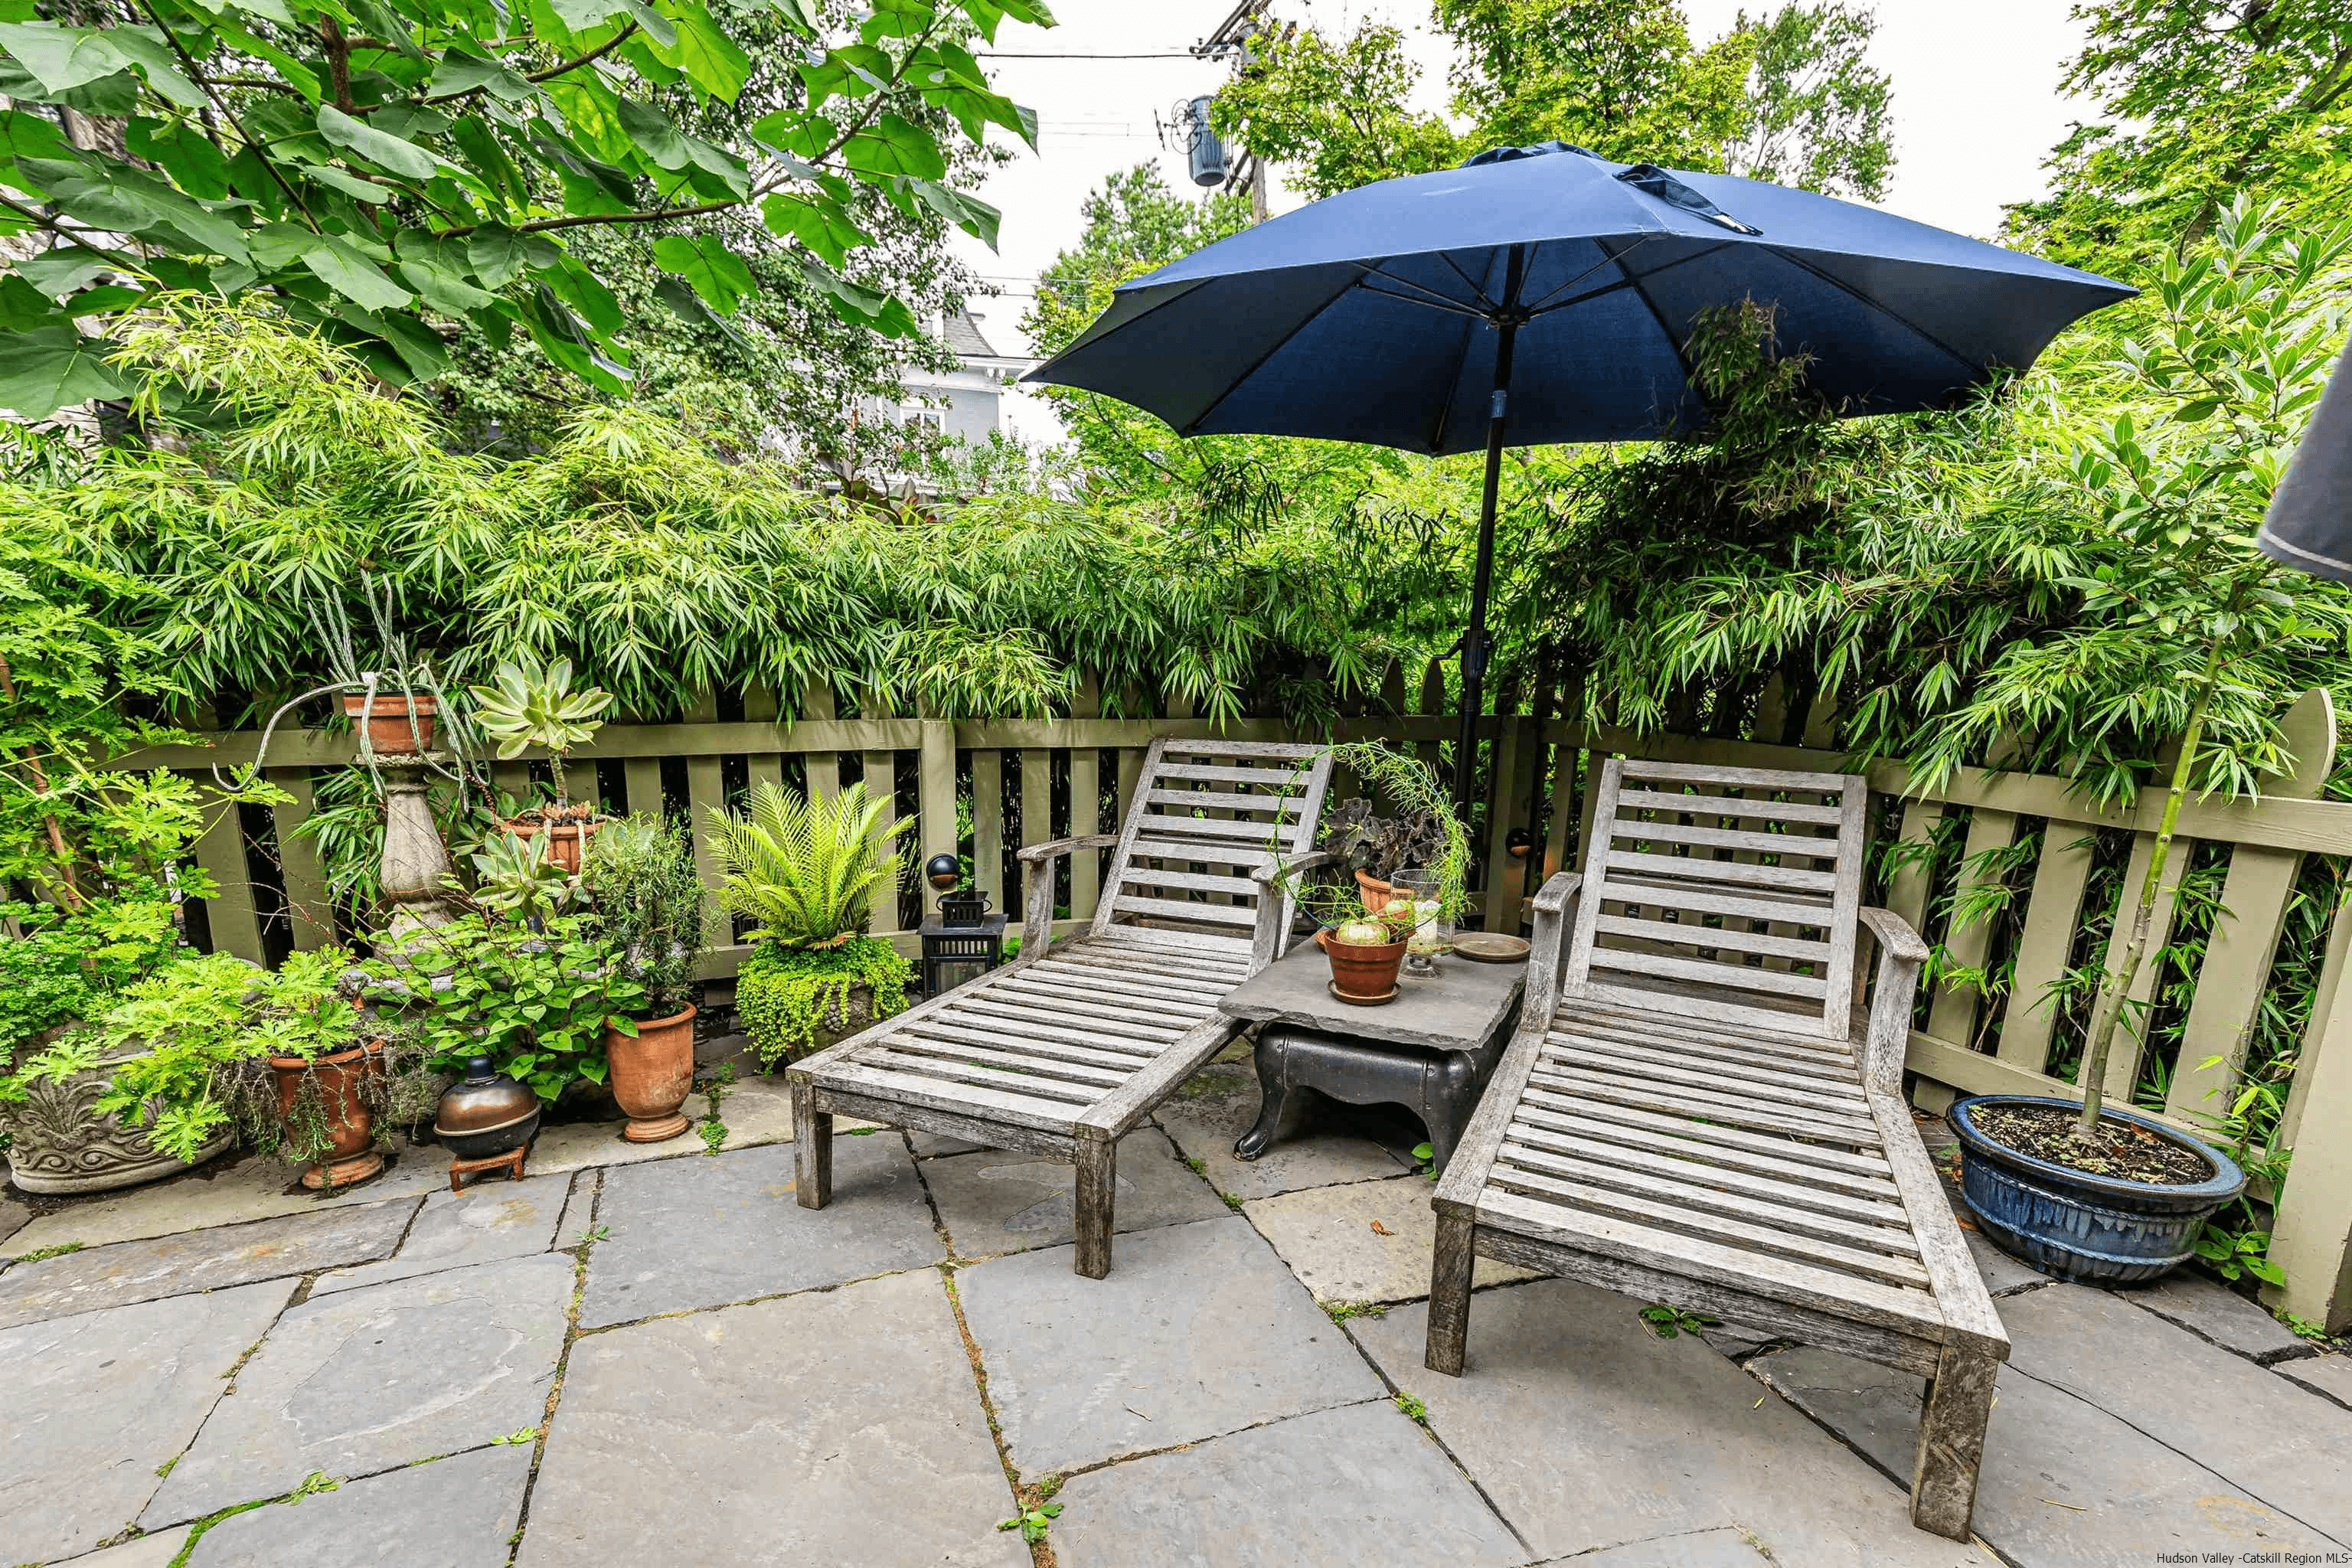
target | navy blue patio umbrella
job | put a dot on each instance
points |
(1542, 294)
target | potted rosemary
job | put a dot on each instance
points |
(648, 903)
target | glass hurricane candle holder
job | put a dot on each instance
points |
(1433, 929)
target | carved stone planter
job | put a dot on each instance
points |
(62, 1146)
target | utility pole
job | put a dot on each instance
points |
(1229, 42)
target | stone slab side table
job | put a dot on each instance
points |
(1431, 1050)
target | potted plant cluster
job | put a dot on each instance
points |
(649, 904)
(805, 870)
(530, 704)
(1366, 928)
(212, 1046)
(391, 696)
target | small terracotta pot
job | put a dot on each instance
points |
(1376, 892)
(350, 1156)
(1359, 972)
(566, 841)
(652, 1074)
(387, 721)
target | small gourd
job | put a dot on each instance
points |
(1363, 934)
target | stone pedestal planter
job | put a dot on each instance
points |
(62, 1146)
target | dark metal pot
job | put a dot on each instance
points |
(2076, 1225)
(486, 1114)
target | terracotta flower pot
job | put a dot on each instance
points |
(1376, 892)
(350, 1156)
(566, 841)
(387, 717)
(1361, 972)
(652, 1074)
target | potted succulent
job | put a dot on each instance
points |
(211, 1045)
(392, 697)
(1366, 931)
(1373, 847)
(2112, 1196)
(650, 906)
(530, 704)
(807, 869)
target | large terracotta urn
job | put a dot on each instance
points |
(652, 1073)
(351, 1157)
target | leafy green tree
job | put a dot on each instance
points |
(1333, 114)
(2200, 100)
(1785, 95)
(384, 170)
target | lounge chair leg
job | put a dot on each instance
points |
(1951, 1442)
(812, 1147)
(1450, 1267)
(1098, 1175)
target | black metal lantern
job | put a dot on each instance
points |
(954, 953)
(964, 908)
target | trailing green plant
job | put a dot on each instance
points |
(532, 704)
(188, 1048)
(640, 875)
(535, 1002)
(806, 868)
(1419, 799)
(787, 996)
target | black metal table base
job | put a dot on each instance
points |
(1439, 1086)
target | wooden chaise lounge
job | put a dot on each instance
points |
(1698, 1111)
(1062, 1052)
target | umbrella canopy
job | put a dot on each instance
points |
(2310, 520)
(1543, 294)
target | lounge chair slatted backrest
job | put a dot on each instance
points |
(1065, 1050)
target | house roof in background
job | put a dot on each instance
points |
(964, 336)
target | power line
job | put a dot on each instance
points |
(1177, 55)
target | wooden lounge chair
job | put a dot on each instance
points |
(1698, 1111)
(1063, 1051)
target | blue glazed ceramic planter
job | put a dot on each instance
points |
(2080, 1227)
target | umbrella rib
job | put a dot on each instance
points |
(1475, 288)
(1540, 306)
(1628, 281)
(1442, 301)
(1634, 281)
(1435, 301)
(1848, 290)
(1193, 423)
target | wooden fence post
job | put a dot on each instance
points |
(882, 785)
(230, 916)
(765, 767)
(988, 826)
(2311, 1236)
(706, 791)
(823, 769)
(935, 788)
(2254, 897)
(1952, 1016)
(1086, 805)
(309, 912)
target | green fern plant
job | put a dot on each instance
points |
(807, 868)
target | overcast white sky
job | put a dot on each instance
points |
(1976, 106)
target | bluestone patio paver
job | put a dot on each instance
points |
(2329, 1377)
(1588, 1432)
(95, 1403)
(579, 1207)
(2213, 1311)
(456, 1512)
(2003, 1275)
(14, 1218)
(1199, 1329)
(757, 1112)
(2262, 1436)
(1339, 1488)
(2064, 1482)
(158, 1551)
(995, 1202)
(482, 1224)
(199, 1261)
(1366, 1241)
(222, 1193)
(1219, 1104)
(362, 1381)
(703, 1231)
(837, 1426)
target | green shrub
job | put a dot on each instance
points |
(640, 875)
(785, 996)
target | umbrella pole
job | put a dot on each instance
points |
(1474, 641)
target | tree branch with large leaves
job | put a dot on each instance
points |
(388, 172)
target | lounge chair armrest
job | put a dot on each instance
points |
(1037, 921)
(1886, 1036)
(1555, 912)
(1038, 854)
(1270, 939)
